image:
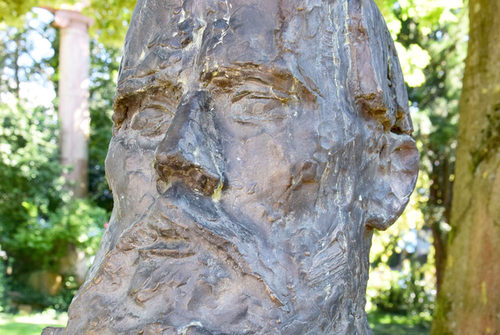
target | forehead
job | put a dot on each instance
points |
(200, 36)
(335, 52)
(174, 45)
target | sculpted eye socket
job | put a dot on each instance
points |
(152, 121)
(258, 104)
(255, 107)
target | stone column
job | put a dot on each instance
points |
(74, 63)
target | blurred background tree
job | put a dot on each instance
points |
(469, 302)
(408, 260)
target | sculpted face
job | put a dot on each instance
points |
(257, 144)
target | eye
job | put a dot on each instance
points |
(254, 107)
(151, 121)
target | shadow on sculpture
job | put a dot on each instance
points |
(257, 144)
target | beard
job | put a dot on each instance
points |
(187, 264)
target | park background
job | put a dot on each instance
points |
(47, 234)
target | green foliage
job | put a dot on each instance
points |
(23, 294)
(25, 328)
(402, 273)
(3, 293)
(111, 17)
(32, 324)
(406, 292)
(38, 219)
(39, 222)
(412, 23)
(105, 63)
(31, 186)
(397, 324)
(111, 20)
(44, 244)
(12, 12)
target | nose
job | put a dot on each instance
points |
(191, 151)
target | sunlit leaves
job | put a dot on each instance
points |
(111, 17)
(38, 218)
(30, 173)
(12, 12)
(412, 22)
(111, 20)
(413, 60)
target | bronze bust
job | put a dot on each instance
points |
(257, 144)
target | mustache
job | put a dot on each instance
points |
(208, 214)
(242, 239)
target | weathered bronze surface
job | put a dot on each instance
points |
(257, 144)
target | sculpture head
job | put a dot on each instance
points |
(256, 146)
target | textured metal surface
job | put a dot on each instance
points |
(256, 146)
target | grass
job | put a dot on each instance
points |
(30, 324)
(381, 323)
(395, 324)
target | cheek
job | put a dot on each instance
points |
(114, 165)
(129, 171)
(258, 169)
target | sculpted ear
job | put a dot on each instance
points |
(392, 178)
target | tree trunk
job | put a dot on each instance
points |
(440, 253)
(438, 210)
(469, 301)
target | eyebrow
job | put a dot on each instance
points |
(130, 96)
(283, 86)
(270, 93)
